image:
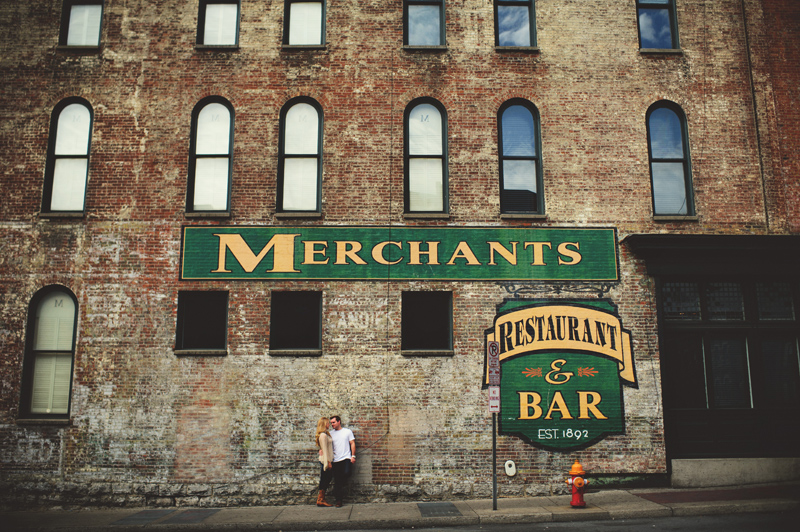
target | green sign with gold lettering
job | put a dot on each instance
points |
(446, 253)
(562, 368)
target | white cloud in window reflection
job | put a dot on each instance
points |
(423, 26)
(666, 140)
(513, 26)
(669, 188)
(654, 29)
(519, 175)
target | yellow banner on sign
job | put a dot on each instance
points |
(564, 327)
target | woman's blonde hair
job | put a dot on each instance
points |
(322, 426)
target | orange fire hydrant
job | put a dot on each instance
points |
(578, 484)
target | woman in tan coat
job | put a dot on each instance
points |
(323, 439)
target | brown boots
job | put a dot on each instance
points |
(321, 499)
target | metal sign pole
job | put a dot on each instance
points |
(494, 461)
(493, 360)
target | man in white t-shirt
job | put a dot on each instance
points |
(344, 456)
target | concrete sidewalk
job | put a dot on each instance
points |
(601, 505)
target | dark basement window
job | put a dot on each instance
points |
(426, 327)
(296, 323)
(202, 323)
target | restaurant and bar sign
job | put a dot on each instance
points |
(562, 367)
(396, 253)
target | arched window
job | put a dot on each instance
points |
(670, 171)
(49, 353)
(211, 156)
(425, 157)
(300, 157)
(520, 158)
(67, 170)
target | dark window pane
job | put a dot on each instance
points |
(426, 320)
(519, 201)
(775, 301)
(781, 374)
(728, 373)
(202, 320)
(682, 361)
(724, 301)
(513, 26)
(655, 29)
(296, 320)
(681, 301)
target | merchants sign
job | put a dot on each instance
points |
(397, 253)
(563, 365)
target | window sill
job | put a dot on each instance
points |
(427, 352)
(201, 352)
(523, 216)
(220, 214)
(43, 421)
(296, 352)
(302, 47)
(676, 218)
(661, 51)
(524, 49)
(61, 214)
(429, 48)
(298, 215)
(217, 47)
(426, 215)
(78, 49)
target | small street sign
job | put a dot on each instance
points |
(494, 399)
(493, 363)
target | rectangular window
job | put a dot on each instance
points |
(427, 321)
(81, 21)
(202, 322)
(657, 27)
(296, 322)
(515, 24)
(304, 23)
(424, 22)
(218, 23)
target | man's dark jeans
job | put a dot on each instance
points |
(341, 472)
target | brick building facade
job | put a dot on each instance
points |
(672, 123)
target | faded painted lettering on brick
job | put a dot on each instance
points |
(472, 253)
(563, 365)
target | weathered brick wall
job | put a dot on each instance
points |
(774, 26)
(148, 427)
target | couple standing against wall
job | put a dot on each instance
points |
(337, 454)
